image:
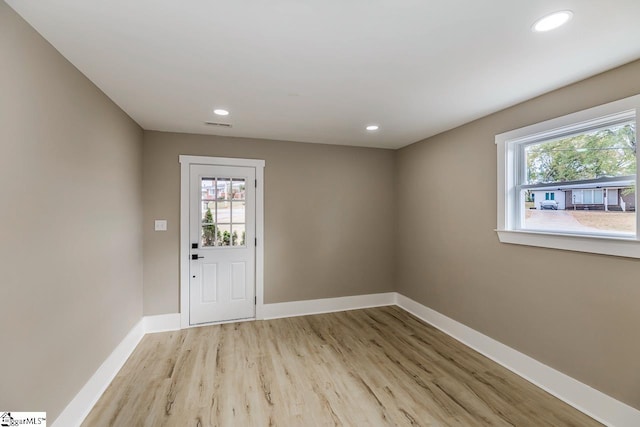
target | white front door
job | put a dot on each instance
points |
(222, 232)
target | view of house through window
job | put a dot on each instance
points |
(584, 183)
(222, 212)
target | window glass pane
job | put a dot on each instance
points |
(238, 235)
(597, 197)
(587, 197)
(224, 211)
(608, 152)
(208, 189)
(583, 211)
(238, 212)
(224, 236)
(577, 197)
(238, 189)
(208, 236)
(224, 189)
(208, 206)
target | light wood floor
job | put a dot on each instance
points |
(373, 367)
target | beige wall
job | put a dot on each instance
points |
(329, 214)
(70, 215)
(581, 317)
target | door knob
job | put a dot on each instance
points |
(196, 256)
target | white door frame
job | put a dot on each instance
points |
(185, 247)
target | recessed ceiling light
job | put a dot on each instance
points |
(221, 112)
(373, 127)
(552, 21)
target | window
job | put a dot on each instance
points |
(585, 197)
(583, 168)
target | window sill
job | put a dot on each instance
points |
(616, 246)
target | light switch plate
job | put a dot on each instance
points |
(161, 225)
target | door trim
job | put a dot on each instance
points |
(185, 164)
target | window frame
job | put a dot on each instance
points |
(510, 176)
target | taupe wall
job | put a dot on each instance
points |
(70, 223)
(329, 217)
(71, 245)
(581, 316)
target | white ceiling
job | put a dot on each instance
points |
(320, 70)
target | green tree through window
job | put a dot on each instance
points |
(608, 152)
(208, 229)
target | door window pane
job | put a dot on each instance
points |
(238, 189)
(224, 238)
(224, 188)
(209, 232)
(238, 212)
(238, 235)
(208, 205)
(208, 189)
(222, 212)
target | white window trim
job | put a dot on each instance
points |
(185, 164)
(506, 224)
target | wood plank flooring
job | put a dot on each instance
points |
(372, 367)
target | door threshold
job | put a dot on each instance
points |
(223, 322)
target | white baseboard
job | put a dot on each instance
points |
(161, 323)
(78, 409)
(326, 305)
(592, 402)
